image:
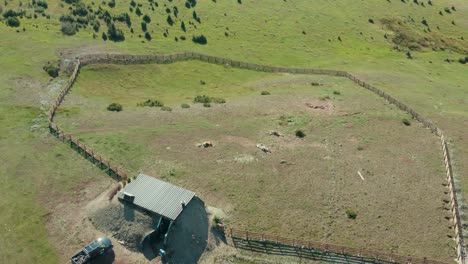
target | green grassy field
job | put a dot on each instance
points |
(262, 32)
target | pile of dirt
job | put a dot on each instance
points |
(126, 224)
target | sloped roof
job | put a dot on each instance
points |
(158, 196)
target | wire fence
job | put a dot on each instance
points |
(320, 249)
(122, 176)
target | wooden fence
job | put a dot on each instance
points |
(323, 248)
(140, 59)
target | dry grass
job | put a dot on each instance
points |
(305, 186)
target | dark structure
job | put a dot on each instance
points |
(158, 198)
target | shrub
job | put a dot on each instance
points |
(201, 39)
(336, 93)
(52, 70)
(166, 108)
(463, 60)
(138, 11)
(42, 4)
(185, 105)
(13, 13)
(314, 83)
(143, 26)
(151, 103)
(202, 99)
(182, 26)
(206, 104)
(66, 18)
(371, 20)
(265, 93)
(217, 220)
(147, 36)
(406, 122)
(360, 148)
(300, 134)
(115, 107)
(104, 36)
(324, 98)
(424, 22)
(12, 22)
(351, 214)
(146, 18)
(68, 28)
(219, 100)
(115, 34)
(169, 20)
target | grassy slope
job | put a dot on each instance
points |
(266, 32)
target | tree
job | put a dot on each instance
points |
(115, 34)
(147, 36)
(104, 36)
(182, 26)
(143, 26)
(12, 22)
(169, 20)
(146, 18)
(138, 11)
(68, 28)
(201, 39)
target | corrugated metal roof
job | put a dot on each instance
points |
(158, 196)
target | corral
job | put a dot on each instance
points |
(349, 159)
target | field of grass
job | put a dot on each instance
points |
(400, 197)
(262, 32)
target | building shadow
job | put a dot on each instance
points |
(188, 237)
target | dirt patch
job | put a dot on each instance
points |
(245, 142)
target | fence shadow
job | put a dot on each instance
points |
(273, 248)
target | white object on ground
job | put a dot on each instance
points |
(360, 175)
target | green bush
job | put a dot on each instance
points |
(166, 108)
(265, 93)
(351, 214)
(202, 99)
(52, 70)
(185, 105)
(336, 92)
(219, 100)
(314, 83)
(115, 34)
(12, 22)
(206, 104)
(146, 18)
(147, 36)
(406, 122)
(42, 4)
(151, 103)
(68, 28)
(115, 107)
(201, 39)
(360, 148)
(13, 13)
(217, 220)
(300, 134)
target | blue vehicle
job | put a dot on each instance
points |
(94, 249)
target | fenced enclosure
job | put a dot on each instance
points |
(120, 175)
